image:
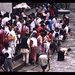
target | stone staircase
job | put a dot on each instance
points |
(18, 63)
(72, 7)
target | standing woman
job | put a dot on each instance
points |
(33, 47)
(52, 10)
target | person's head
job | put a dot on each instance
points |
(42, 22)
(56, 35)
(7, 24)
(6, 14)
(26, 34)
(56, 16)
(60, 21)
(6, 45)
(52, 31)
(20, 19)
(51, 17)
(47, 22)
(56, 29)
(63, 26)
(10, 28)
(61, 32)
(34, 35)
(69, 49)
(36, 9)
(42, 25)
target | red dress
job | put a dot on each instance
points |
(52, 12)
(33, 51)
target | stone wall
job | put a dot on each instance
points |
(6, 7)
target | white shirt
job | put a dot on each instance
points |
(57, 25)
(7, 29)
(43, 59)
(53, 23)
(19, 26)
(38, 21)
(32, 25)
(6, 19)
(66, 28)
(9, 51)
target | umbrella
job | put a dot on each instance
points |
(22, 5)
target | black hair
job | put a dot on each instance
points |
(69, 49)
(69, 30)
(63, 26)
(42, 25)
(6, 44)
(51, 17)
(6, 14)
(7, 23)
(51, 31)
(27, 23)
(57, 29)
(61, 32)
(60, 21)
(42, 21)
(43, 32)
(47, 22)
(34, 28)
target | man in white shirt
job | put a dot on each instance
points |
(8, 59)
(19, 23)
(32, 25)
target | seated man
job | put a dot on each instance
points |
(65, 50)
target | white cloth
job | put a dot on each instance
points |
(43, 60)
(9, 51)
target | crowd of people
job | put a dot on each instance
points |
(41, 32)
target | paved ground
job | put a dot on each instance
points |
(68, 65)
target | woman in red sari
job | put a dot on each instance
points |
(33, 47)
(51, 10)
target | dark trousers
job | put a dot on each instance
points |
(8, 64)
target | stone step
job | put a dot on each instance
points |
(18, 56)
(18, 65)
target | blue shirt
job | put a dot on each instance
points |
(50, 24)
(43, 9)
